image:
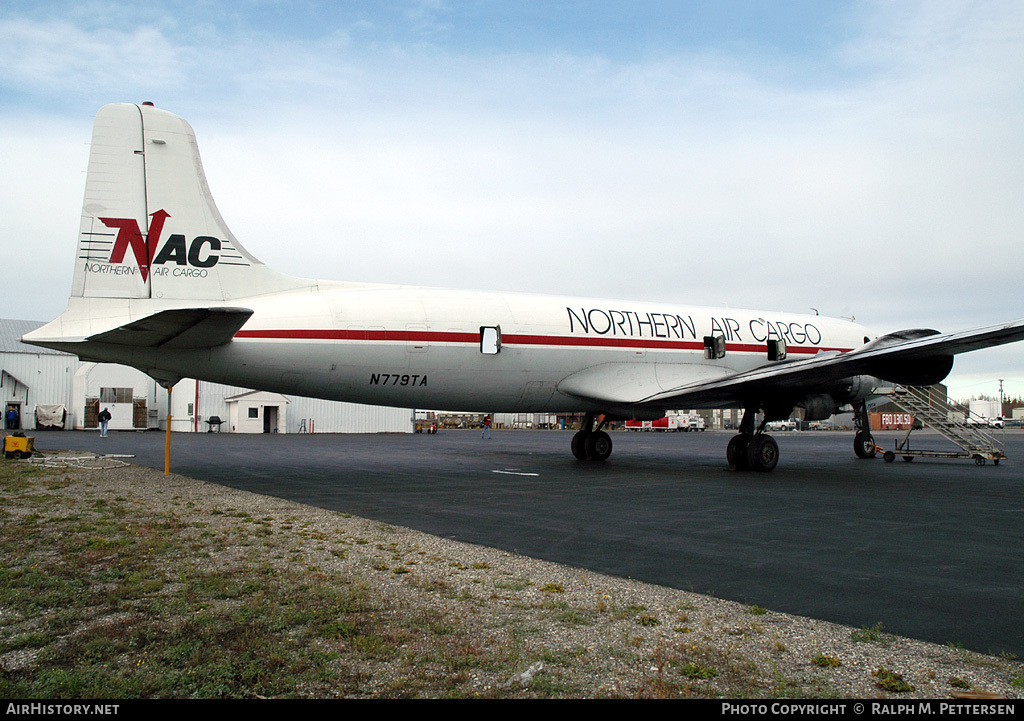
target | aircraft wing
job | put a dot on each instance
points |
(180, 328)
(896, 357)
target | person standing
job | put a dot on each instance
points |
(104, 418)
(487, 427)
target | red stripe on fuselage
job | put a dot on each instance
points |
(420, 336)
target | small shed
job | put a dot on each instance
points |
(257, 412)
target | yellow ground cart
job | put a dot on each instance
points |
(18, 446)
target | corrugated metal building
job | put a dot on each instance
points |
(32, 376)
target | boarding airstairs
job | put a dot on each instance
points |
(970, 434)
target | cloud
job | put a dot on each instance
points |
(40, 207)
(54, 57)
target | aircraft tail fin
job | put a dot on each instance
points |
(150, 227)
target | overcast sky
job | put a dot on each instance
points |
(863, 159)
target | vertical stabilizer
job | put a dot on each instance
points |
(150, 227)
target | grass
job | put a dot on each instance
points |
(889, 680)
(874, 634)
(824, 661)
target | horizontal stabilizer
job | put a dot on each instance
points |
(179, 329)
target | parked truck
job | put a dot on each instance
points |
(677, 422)
(693, 422)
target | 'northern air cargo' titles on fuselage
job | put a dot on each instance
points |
(634, 324)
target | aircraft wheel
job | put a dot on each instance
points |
(579, 445)
(864, 445)
(763, 453)
(598, 446)
(736, 452)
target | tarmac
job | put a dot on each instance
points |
(932, 549)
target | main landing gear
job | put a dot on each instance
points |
(751, 450)
(863, 442)
(592, 444)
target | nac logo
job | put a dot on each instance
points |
(200, 253)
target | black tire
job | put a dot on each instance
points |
(736, 453)
(762, 454)
(864, 445)
(598, 446)
(889, 456)
(908, 459)
(579, 445)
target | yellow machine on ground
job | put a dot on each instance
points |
(18, 446)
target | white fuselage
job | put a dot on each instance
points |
(421, 347)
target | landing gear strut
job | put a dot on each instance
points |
(592, 444)
(751, 450)
(863, 442)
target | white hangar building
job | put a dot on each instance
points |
(31, 376)
(41, 385)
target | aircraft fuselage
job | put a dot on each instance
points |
(430, 348)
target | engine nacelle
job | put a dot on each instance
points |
(921, 371)
(853, 389)
(925, 372)
(819, 407)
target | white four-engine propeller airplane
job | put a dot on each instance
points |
(161, 284)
